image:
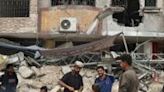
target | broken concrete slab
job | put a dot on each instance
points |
(23, 88)
(23, 63)
(27, 88)
(56, 89)
(25, 72)
(88, 84)
(50, 69)
(161, 77)
(155, 87)
(36, 84)
(115, 86)
(37, 71)
(32, 61)
(16, 58)
(66, 69)
(91, 73)
(50, 78)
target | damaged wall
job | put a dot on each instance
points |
(152, 25)
(153, 21)
(20, 24)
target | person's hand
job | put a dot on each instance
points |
(71, 89)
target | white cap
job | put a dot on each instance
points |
(79, 64)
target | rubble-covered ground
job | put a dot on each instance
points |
(32, 75)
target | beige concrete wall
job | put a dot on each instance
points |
(44, 3)
(50, 18)
(21, 24)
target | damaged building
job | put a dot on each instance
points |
(56, 23)
(51, 23)
(73, 27)
(65, 23)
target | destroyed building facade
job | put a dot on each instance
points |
(59, 21)
(74, 22)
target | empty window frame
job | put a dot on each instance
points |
(150, 3)
(14, 8)
(73, 2)
(118, 2)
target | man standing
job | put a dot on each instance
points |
(128, 81)
(9, 80)
(72, 81)
(104, 81)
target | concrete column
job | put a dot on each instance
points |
(44, 3)
(49, 43)
(148, 49)
(102, 3)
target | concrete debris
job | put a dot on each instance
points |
(35, 84)
(16, 58)
(23, 88)
(49, 75)
(25, 72)
(23, 63)
(88, 84)
(115, 87)
(56, 89)
(155, 87)
(90, 73)
(37, 71)
(66, 69)
(26, 88)
(32, 75)
(31, 61)
(161, 77)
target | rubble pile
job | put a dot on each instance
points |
(32, 75)
(33, 78)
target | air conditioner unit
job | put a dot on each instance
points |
(68, 24)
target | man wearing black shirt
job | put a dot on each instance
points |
(72, 81)
(9, 80)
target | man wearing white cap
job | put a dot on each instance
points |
(72, 81)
